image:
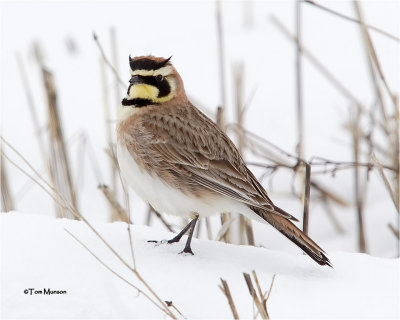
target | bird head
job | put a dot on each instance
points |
(153, 80)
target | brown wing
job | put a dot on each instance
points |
(191, 147)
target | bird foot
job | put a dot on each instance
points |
(187, 252)
(158, 242)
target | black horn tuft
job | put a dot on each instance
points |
(147, 63)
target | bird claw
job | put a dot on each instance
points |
(157, 243)
(187, 252)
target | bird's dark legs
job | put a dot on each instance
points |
(187, 248)
(190, 226)
(182, 233)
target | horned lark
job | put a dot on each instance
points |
(181, 163)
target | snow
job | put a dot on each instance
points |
(38, 253)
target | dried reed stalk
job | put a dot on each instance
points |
(117, 208)
(299, 83)
(66, 204)
(372, 52)
(356, 138)
(395, 231)
(311, 58)
(208, 228)
(341, 15)
(7, 203)
(32, 109)
(257, 300)
(225, 216)
(59, 161)
(118, 83)
(328, 209)
(113, 106)
(283, 159)
(109, 64)
(266, 294)
(390, 122)
(227, 292)
(245, 224)
(152, 212)
(221, 52)
(114, 213)
(306, 202)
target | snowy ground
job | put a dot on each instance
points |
(38, 253)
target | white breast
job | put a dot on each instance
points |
(166, 199)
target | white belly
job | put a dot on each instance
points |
(166, 199)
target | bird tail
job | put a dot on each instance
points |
(289, 230)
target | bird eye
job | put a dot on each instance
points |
(159, 78)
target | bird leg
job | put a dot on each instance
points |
(187, 248)
(178, 237)
(190, 226)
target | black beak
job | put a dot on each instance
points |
(136, 79)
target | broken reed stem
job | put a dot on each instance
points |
(221, 52)
(299, 83)
(390, 124)
(208, 228)
(114, 59)
(386, 182)
(256, 299)
(267, 294)
(395, 231)
(114, 71)
(114, 214)
(391, 131)
(7, 203)
(227, 292)
(257, 284)
(355, 132)
(59, 158)
(328, 209)
(131, 244)
(59, 162)
(117, 208)
(307, 187)
(262, 147)
(160, 217)
(238, 75)
(328, 195)
(111, 153)
(112, 111)
(386, 34)
(369, 57)
(32, 109)
(62, 202)
(33, 115)
(396, 153)
(245, 224)
(372, 51)
(119, 81)
(396, 159)
(270, 288)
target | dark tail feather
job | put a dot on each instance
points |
(289, 230)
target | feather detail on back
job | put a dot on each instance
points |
(187, 150)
